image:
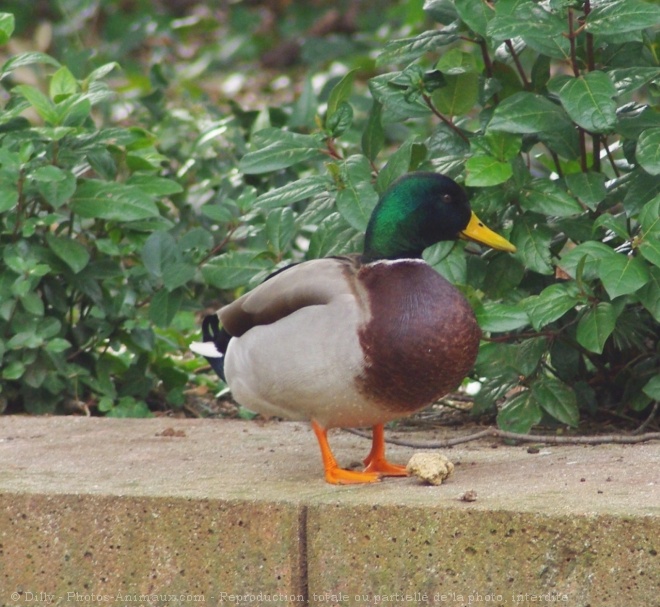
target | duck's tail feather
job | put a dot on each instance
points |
(214, 346)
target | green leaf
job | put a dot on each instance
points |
(8, 195)
(621, 16)
(596, 326)
(71, 252)
(452, 266)
(373, 137)
(622, 274)
(177, 274)
(525, 18)
(406, 50)
(58, 344)
(592, 250)
(588, 187)
(13, 371)
(557, 399)
(339, 94)
(234, 269)
(7, 24)
(292, 192)
(25, 59)
(588, 100)
(532, 240)
(158, 252)
(42, 104)
(112, 201)
(483, 171)
(455, 62)
(527, 113)
(62, 85)
(397, 165)
(340, 121)
(280, 228)
(649, 294)
(545, 196)
(648, 151)
(355, 201)
(629, 79)
(164, 306)
(458, 96)
(475, 14)
(155, 186)
(552, 303)
(499, 318)
(275, 149)
(652, 387)
(519, 413)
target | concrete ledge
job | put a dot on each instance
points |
(179, 512)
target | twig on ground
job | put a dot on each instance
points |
(525, 438)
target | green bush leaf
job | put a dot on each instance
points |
(42, 104)
(292, 192)
(499, 318)
(177, 274)
(621, 16)
(483, 171)
(520, 413)
(373, 137)
(459, 94)
(233, 269)
(7, 24)
(112, 201)
(533, 242)
(280, 229)
(275, 149)
(648, 151)
(523, 17)
(407, 50)
(71, 252)
(164, 306)
(551, 304)
(596, 326)
(62, 85)
(622, 274)
(527, 113)
(475, 13)
(397, 166)
(588, 187)
(652, 387)
(557, 399)
(588, 100)
(339, 94)
(545, 196)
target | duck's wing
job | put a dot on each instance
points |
(310, 283)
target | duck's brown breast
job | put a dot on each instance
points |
(421, 339)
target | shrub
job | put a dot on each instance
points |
(111, 234)
(542, 111)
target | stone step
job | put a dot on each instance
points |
(109, 512)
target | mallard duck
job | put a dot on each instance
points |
(357, 340)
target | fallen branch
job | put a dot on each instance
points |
(524, 438)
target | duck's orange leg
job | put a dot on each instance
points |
(375, 461)
(333, 473)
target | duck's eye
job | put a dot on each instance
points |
(446, 198)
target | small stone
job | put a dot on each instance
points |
(469, 496)
(431, 468)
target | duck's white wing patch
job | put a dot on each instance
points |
(206, 348)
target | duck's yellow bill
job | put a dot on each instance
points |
(477, 231)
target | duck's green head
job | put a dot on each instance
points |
(418, 210)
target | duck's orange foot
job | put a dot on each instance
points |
(339, 476)
(384, 468)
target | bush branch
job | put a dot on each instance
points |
(491, 432)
